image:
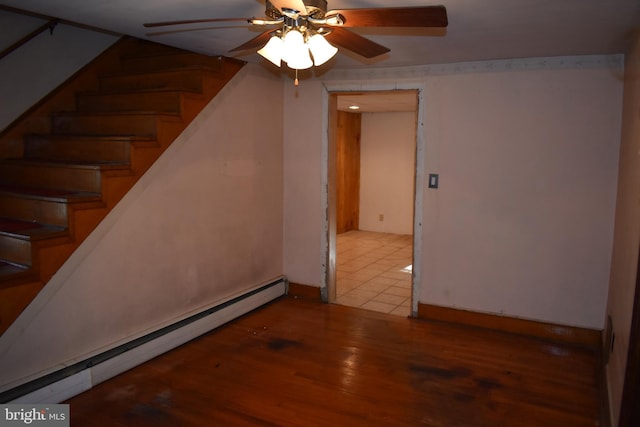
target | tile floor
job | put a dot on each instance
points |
(374, 271)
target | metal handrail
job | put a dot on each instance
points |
(49, 25)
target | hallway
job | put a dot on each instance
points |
(374, 271)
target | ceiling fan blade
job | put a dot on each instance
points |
(355, 43)
(255, 42)
(427, 16)
(290, 4)
(193, 21)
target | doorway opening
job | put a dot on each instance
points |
(372, 185)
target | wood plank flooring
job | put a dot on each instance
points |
(297, 362)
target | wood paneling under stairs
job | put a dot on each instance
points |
(348, 171)
(67, 161)
(298, 362)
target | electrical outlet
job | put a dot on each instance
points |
(381, 217)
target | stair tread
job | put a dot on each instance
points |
(176, 69)
(9, 271)
(175, 90)
(65, 196)
(29, 230)
(71, 136)
(71, 164)
(139, 140)
(114, 113)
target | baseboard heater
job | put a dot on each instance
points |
(65, 383)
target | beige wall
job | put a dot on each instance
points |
(527, 152)
(204, 224)
(387, 158)
(627, 231)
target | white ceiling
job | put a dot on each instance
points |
(478, 29)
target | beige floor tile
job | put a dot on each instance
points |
(373, 286)
(362, 275)
(347, 285)
(398, 275)
(378, 306)
(374, 271)
(389, 299)
(362, 293)
(351, 301)
(401, 311)
(397, 290)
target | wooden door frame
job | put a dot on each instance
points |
(328, 286)
(630, 408)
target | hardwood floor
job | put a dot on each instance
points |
(298, 362)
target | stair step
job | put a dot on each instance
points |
(50, 207)
(187, 78)
(114, 124)
(16, 238)
(99, 149)
(29, 231)
(165, 101)
(80, 177)
(9, 271)
(167, 59)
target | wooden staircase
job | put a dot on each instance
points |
(67, 162)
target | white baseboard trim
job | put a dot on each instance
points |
(74, 383)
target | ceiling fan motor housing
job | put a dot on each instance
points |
(315, 9)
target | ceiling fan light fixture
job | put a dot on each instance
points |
(335, 20)
(296, 52)
(273, 50)
(321, 49)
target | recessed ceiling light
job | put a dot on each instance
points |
(354, 107)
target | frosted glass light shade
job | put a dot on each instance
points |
(321, 49)
(296, 52)
(273, 50)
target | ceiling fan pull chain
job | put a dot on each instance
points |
(295, 82)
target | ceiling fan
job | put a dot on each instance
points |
(299, 31)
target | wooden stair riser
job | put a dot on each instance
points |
(51, 177)
(34, 210)
(98, 150)
(168, 60)
(159, 101)
(188, 80)
(104, 124)
(14, 299)
(15, 250)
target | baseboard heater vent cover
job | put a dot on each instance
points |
(65, 383)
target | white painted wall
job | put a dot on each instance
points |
(627, 233)
(387, 164)
(202, 225)
(303, 209)
(35, 69)
(527, 152)
(524, 215)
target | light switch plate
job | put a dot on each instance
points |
(433, 180)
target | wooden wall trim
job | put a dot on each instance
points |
(548, 331)
(307, 292)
